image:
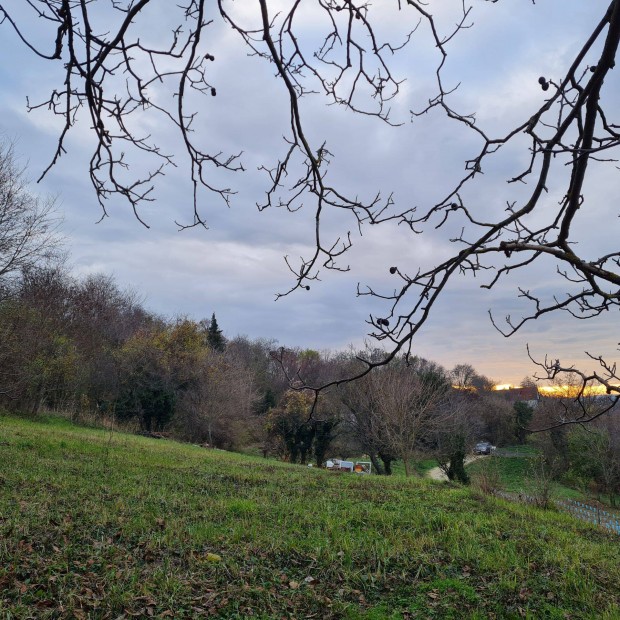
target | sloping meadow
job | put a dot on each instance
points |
(96, 524)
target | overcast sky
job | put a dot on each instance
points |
(236, 267)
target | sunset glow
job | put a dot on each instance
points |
(571, 391)
(563, 391)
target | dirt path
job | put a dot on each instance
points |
(437, 473)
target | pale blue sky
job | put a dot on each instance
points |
(235, 268)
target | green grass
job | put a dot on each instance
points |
(418, 467)
(94, 525)
(515, 473)
(519, 450)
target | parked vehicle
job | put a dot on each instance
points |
(483, 447)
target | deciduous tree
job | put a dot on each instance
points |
(409, 401)
(28, 225)
(458, 429)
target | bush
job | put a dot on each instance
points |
(487, 478)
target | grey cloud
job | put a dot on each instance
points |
(236, 267)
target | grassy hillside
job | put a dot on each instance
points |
(94, 525)
(515, 474)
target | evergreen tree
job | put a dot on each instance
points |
(214, 335)
(267, 402)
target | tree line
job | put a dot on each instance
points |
(88, 348)
(584, 456)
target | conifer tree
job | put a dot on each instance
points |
(214, 335)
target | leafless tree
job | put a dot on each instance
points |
(465, 377)
(409, 408)
(216, 405)
(28, 225)
(99, 318)
(462, 375)
(496, 415)
(111, 73)
(362, 415)
(101, 312)
(458, 427)
(37, 363)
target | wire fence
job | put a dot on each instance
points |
(592, 514)
(586, 512)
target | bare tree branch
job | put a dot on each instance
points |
(113, 76)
